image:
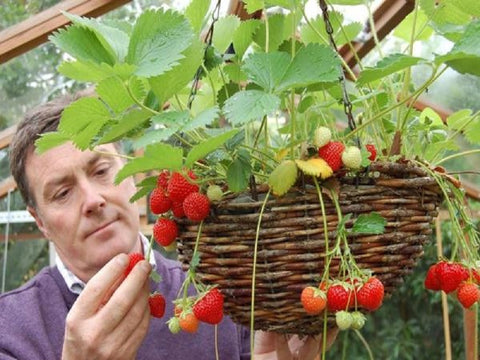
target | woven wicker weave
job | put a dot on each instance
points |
(291, 244)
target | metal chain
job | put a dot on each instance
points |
(347, 105)
(208, 40)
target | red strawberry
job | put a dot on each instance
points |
(209, 307)
(179, 187)
(372, 150)
(339, 297)
(162, 180)
(432, 281)
(370, 295)
(196, 206)
(165, 231)
(468, 294)
(159, 201)
(177, 209)
(332, 154)
(451, 274)
(134, 258)
(156, 301)
(313, 300)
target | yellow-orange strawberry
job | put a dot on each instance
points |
(188, 322)
(313, 300)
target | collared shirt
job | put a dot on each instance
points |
(76, 285)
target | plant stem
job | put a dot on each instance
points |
(365, 343)
(464, 153)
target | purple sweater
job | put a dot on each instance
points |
(32, 322)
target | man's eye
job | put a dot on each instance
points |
(61, 194)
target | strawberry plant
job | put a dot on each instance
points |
(282, 117)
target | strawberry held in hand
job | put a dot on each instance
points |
(134, 258)
(209, 307)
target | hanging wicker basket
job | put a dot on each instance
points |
(291, 242)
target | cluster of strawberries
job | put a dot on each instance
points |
(453, 277)
(206, 307)
(189, 312)
(341, 296)
(336, 154)
(179, 195)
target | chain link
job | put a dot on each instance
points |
(208, 41)
(347, 105)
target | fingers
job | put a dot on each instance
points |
(128, 296)
(99, 285)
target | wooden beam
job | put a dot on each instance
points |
(35, 30)
(6, 136)
(7, 185)
(386, 17)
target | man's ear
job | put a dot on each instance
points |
(38, 221)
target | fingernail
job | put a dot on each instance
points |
(122, 259)
(145, 266)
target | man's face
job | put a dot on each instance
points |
(79, 208)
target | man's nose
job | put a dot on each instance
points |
(93, 199)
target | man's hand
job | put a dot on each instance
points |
(274, 346)
(110, 318)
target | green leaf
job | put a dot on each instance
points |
(86, 71)
(172, 119)
(157, 156)
(266, 69)
(349, 33)
(388, 66)
(128, 122)
(203, 119)
(372, 223)
(279, 29)
(347, 2)
(83, 119)
(283, 177)
(142, 192)
(243, 36)
(203, 149)
(472, 133)
(82, 44)
(422, 30)
(238, 174)
(249, 105)
(312, 64)
(223, 32)
(445, 12)
(114, 40)
(196, 12)
(172, 81)
(253, 5)
(153, 136)
(112, 90)
(459, 119)
(465, 54)
(157, 41)
(49, 140)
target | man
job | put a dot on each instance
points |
(85, 308)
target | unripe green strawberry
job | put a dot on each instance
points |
(358, 320)
(214, 193)
(165, 231)
(174, 325)
(209, 307)
(196, 206)
(322, 136)
(343, 319)
(156, 302)
(352, 157)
